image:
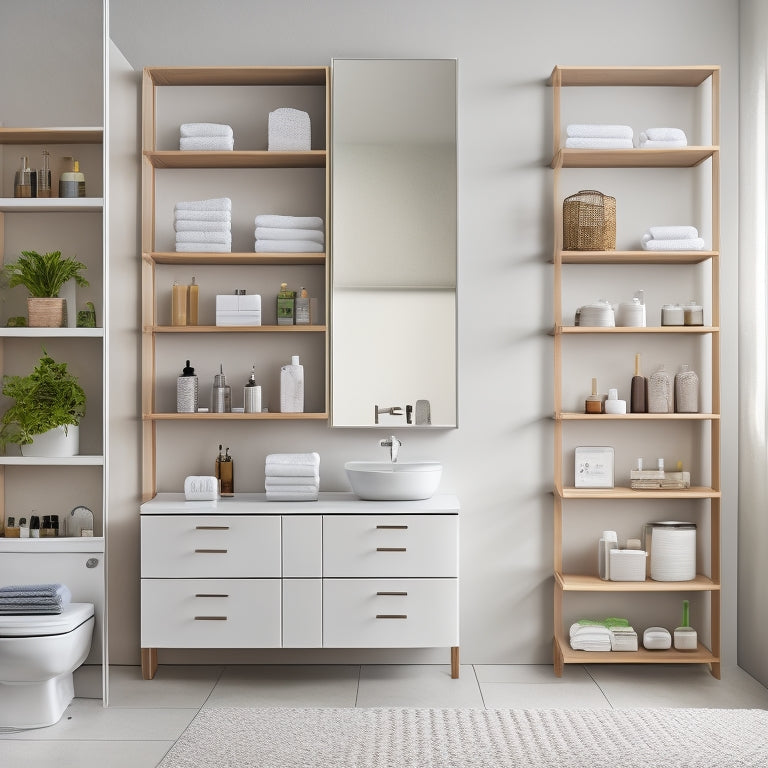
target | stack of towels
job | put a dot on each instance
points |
(672, 238)
(204, 225)
(206, 137)
(292, 476)
(598, 136)
(663, 138)
(289, 234)
(34, 598)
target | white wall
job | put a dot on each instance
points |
(499, 461)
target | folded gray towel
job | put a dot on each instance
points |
(32, 590)
(48, 610)
(20, 598)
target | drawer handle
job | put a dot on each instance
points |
(212, 551)
(391, 616)
(392, 527)
(398, 594)
(211, 527)
(203, 594)
(390, 549)
(210, 618)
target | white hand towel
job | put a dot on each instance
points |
(277, 496)
(207, 144)
(203, 248)
(189, 225)
(276, 481)
(587, 143)
(214, 204)
(599, 131)
(648, 144)
(187, 130)
(687, 244)
(203, 237)
(288, 246)
(290, 222)
(664, 134)
(276, 233)
(673, 232)
(289, 130)
(294, 488)
(202, 215)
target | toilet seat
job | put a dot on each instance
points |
(39, 625)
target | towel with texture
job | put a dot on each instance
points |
(671, 232)
(588, 143)
(200, 236)
(289, 222)
(289, 130)
(203, 248)
(664, 134)
(292, 496)
(279, 480)
(34, 598)
(646, 143)
(188, 130)
(292, 465)
(277, 233)
(296, 488)
(201, 215)
(288, 246)
(190, 225)
(686, 244)
(207, 144)
(599, 131)
(214, 204)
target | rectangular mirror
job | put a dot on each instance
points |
(393, 230)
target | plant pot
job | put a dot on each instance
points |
(55, 443)
(47, 313)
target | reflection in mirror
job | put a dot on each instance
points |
(393, 264)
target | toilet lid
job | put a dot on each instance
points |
(37, 625)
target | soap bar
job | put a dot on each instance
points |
(201, 488)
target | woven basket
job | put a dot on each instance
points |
(589, 221)
(47, 313)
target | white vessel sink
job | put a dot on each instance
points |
(402, 481)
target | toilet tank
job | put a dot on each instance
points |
(76, 562)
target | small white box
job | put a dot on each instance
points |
(627, 564)
(594, 467)
(249, 302)
(233, 309)
(623, 639)
(227, 302)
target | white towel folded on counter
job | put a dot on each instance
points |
(306, 481)
(214, 204)
(187, 130)
(664, 134)
(292, 465)
(648, 144)
(207, 143)
(192, 225)
(288, 246)
(590, 638)
(290, 222)
(203, 248)
(200, 236)
(686, 244)
(293, 496)
(295, 488)
(599, 131)
(201, 215)
(673, 232)
(294, 233)
(597, 143)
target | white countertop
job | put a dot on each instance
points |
(93, 544)
(328, 504)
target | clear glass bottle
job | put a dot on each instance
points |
(44, 176)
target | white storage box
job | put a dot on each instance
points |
(242, 309)
(627, 564)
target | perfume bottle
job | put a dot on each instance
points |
(221, 394)
(285, 305)
(252, 394)
(22, 183)
(44, 176)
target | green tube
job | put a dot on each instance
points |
(686, 613)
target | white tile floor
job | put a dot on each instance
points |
(146, 717)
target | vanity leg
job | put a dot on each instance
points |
(455, 662)
(148, 663)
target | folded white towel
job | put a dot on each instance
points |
(289, 222)
(276, 481)
(648, 144)
(203, 237)
(673, 232)
(187, 130)
(288, 246)
(686, 244)
(292, 496)
(214, 204)
(203, 248)
(289, 130)
(664, 134)
(599, 131)
(295, 488)
(586, 143)
(190, 225)
(311, 458)
(202, 215)
(207, 144)
(277, 233)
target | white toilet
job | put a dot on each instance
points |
(38, 655)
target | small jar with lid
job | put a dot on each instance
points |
(672, 314)
(693, 314)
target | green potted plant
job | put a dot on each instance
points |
(43, 275)
(45, 416)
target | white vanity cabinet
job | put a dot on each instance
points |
(336, 573)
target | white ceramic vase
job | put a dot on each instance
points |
(56, 442)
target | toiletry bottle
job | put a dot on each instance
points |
(686, 638)
(34, 527)
(593, 403)
(661, 392)
(638, 387)
(193, 302)
(613, 404)
(252, 394)
(221, 394)
(302, 308)
(11, 529)
(285, 305)
(178, 304)
(686, 391)
(45, 529)
(187, 391)
(72, 183)
(292, 387)
(23, 528)
(55, 525)
(44, 176)
(225, 473)
(22, 183)
(608, 541)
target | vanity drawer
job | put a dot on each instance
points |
(390, 545)
(218, 546)
(390, 613)
(210, 613)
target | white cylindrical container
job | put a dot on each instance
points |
(672, 314)
(292, 387)
(608, 541)
(613, 404)
(673, 551)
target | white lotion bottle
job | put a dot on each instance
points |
(292, 387)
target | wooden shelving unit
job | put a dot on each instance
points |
(708, 496)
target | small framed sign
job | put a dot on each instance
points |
(594, 467)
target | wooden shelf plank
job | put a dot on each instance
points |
(569, 582)
(684, 157)
(702, 655)
(271, 416)
(89, 135)
(51, 204)
(236, 329)
(190, 76)
(578, 416)
(674, 329)
(682, 76)
(636, 257)
(174, 257)
(623, 492)
(313, 158)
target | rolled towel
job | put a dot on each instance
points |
(687, 244)
(202, 215)
(207, 144)
(585, 143)
(276, 233)
(292, 496)
(599, 131)
(214, 204)
(288, 246)
(199, 236)
(289, 130)
(664, 134)
(203, 248)
(288, 222)
(193, 225)
(673, 232)
(648, 144)
(187, 130)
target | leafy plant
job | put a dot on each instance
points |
(48, 397)
(43, 275)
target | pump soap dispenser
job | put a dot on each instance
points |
(221, 393)
(252, 394)
(187, 391)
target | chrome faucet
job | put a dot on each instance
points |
(394, 445)
(393, 410)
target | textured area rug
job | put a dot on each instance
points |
(231, 737)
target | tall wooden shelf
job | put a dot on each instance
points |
(689, 157)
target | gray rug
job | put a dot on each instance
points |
(231, 737)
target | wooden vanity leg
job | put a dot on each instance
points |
(148, 663)
(455, 662)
